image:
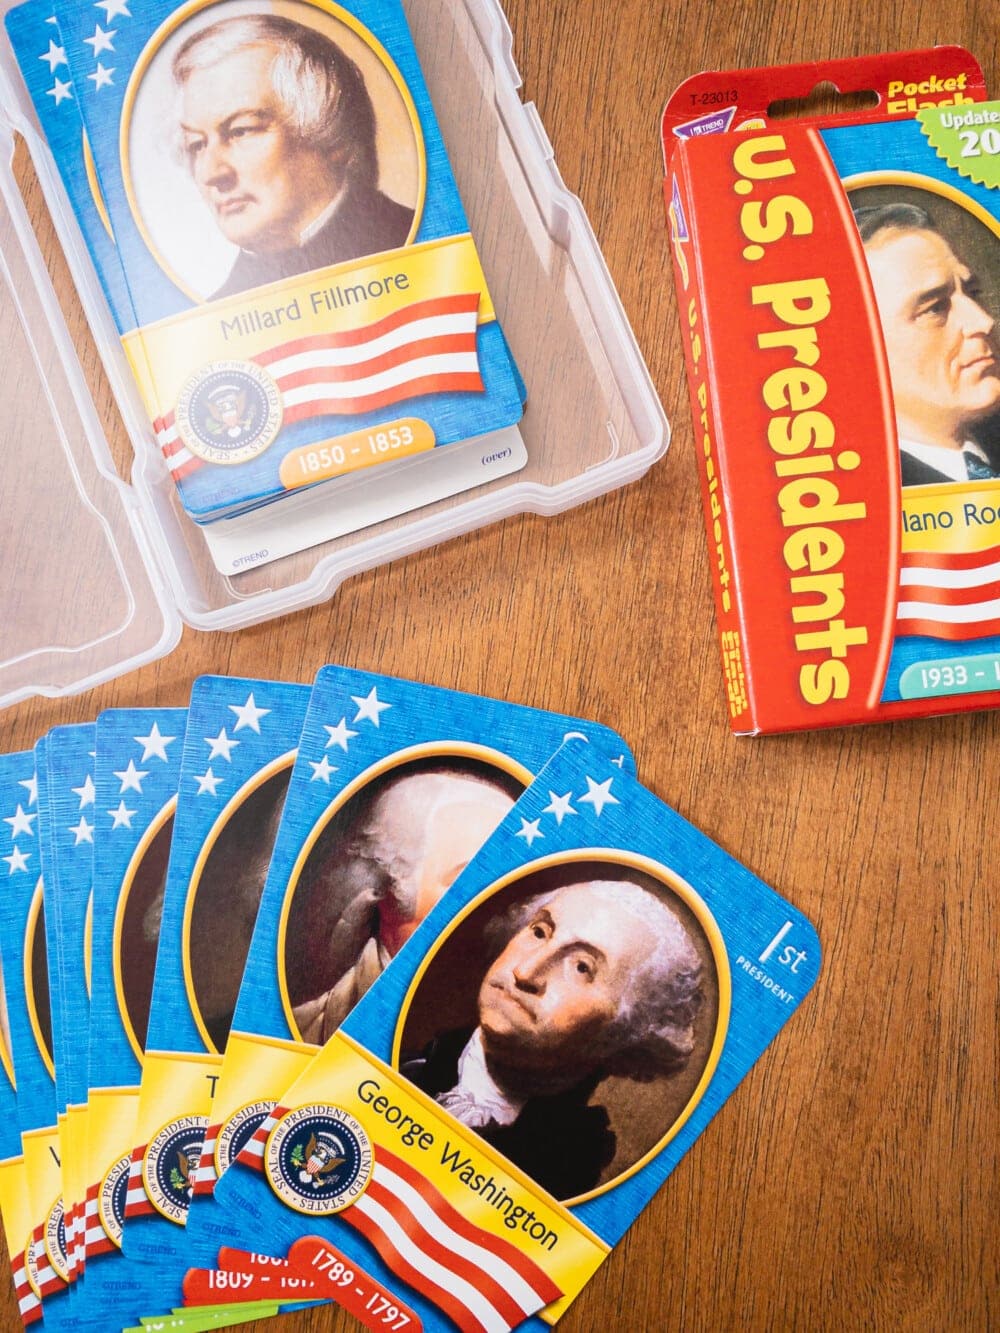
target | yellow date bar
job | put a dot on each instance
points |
(350, 453)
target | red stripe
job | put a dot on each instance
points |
(205, 1186)
(163, 423)
(100, 1247)
(937, 629)
(471, 1272)
(916, 592)
(535, 1276)
(949, 559)
(445, 305)
(141, 1209)
(185, 469)
(172, 447)
(466, 382)
(399, 356)
(402, 1267)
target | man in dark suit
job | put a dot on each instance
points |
(595, 979)
(278, 132)
(939, 343)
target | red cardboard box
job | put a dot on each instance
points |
(844, 593)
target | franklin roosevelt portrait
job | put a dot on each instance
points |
(380, 866)
(590, 988)
(939, 339)
(278, 131)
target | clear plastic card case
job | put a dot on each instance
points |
(72, 526)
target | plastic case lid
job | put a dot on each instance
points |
(98, 575)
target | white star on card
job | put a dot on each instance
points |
(122, 816)
(598, 795)
(322, 770)
(86, 792)
(154, 745)
(31, 786)
(529, 830)
(55, 55)
(130, 778)
(60, 91)
(222, 746)
(20, 823)
(83, 831)
(559, 806)
(101, 77)
(340, 734)
(113, 9)
(207, 783)
(101, 41)
(370, 708)
(18, 860)
(248, 715)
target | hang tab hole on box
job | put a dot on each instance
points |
(826, 99)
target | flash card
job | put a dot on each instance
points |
(20, 869)
(395, 786)
(40, 52)
(238, 755)
(26, 980)
(71, 791)
(509, 1095)
(136, 774)
(308, 312)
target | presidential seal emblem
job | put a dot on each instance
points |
(54, 1236)
(111, 1200)
(237, 1132)
(169, 1164)
(229, 412)
(318, 1159)
(31, 1268)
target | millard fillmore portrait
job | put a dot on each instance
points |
(289, 147)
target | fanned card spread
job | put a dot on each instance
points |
(367, 992)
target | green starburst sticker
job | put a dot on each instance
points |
(967, 138)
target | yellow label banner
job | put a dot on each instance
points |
(111, 1115)
(43, 1169)
(952, 517)
(257, 1069)
(174, 1084)
(15, 1202)
(339, 299)
(74, 1170)
(476, 1180)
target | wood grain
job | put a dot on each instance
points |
(851, 1181)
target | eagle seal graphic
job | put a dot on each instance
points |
(229, 412)
(318, 1159)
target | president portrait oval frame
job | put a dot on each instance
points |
(519, 884)
(460, 751)
(326, 14)
(159, 826)
(36, 979)
(278, 771)
(946, 206)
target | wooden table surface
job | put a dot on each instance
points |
(851, 1181)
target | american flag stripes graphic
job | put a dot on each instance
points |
(95, 1238)
(483, 1283)
(949, 596)
(430, 347)
(137, 1202)
(28, 1303)
(205, 1176)
(49, 1280)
